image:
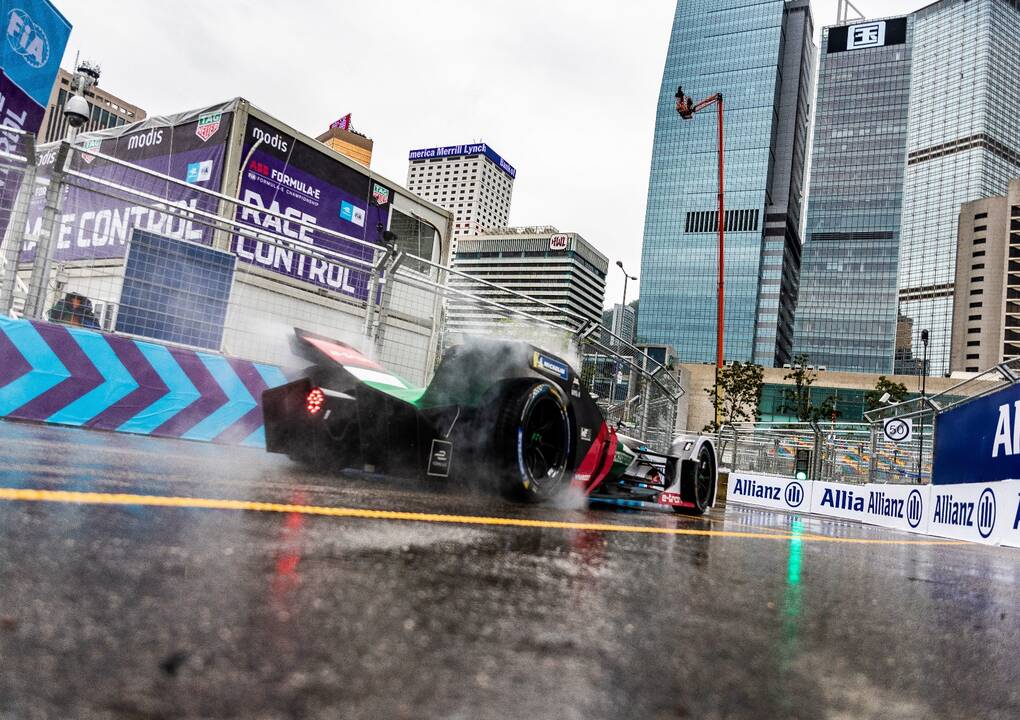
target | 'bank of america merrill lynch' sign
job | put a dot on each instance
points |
(458, 150)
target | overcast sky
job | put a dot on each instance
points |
(564, 90)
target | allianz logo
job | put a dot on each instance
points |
(961, 513)
(793, 494)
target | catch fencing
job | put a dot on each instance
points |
(858, 453)
(93, 240)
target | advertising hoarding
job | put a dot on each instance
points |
(285, 175)
(93, 225)
(979, 441)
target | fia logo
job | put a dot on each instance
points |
(27, 38)
(865, 35)
(915, 508)
(986, 513)
(794, 494)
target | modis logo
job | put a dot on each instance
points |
(27, 38)
(145, 139)
(273, 140)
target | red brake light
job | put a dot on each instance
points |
(314, 401)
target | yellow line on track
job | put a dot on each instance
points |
(93, 498)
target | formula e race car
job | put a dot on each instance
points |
(503, 413)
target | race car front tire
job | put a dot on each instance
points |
(698, 485)
(531, 440)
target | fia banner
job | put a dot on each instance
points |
(286, 177)
(35, 37)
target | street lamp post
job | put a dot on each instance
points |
(686, 108)
(924, 376)
(616, 369)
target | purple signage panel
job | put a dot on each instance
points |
(287, 177)
(96, 225)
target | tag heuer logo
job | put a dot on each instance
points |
(381, 194)
(91, 144)
(208, 125)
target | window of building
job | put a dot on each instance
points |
(978, 253)
(976, 304)
(974, 317)
(977, 266)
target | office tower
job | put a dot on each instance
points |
(761, 58)
(561, 269)
(963, 144)
(846, 309)
(471, 181)
(986, 303)
(106, 110)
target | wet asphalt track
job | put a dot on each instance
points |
(139, 611)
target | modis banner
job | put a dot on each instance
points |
(94, 224)
(309, 189)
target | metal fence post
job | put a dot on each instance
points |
(16, 229)
(386, 281)
(35, 304)
(873, 455)
(816, 465)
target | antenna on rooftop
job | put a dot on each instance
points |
(843, 7)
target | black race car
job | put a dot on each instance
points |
(503, 412)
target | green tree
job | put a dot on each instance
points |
(897, 392)
(739, 393)
(797, 399)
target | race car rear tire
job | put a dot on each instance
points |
(531, 440)
(701, 487)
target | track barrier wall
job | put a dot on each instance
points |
(978, 512)
(87, 378)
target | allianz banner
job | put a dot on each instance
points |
(979, 441)
(35, 37)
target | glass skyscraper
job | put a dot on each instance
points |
(760, 56)
(963, 144)
(846, 310)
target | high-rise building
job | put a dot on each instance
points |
(561, 269)
(963, 144)
(621, 321)
(471, 181)
(761, 57)
(846, 309)
(986, 302)
(107, 110)
(349, 143)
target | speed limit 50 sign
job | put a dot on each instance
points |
(898, 430)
